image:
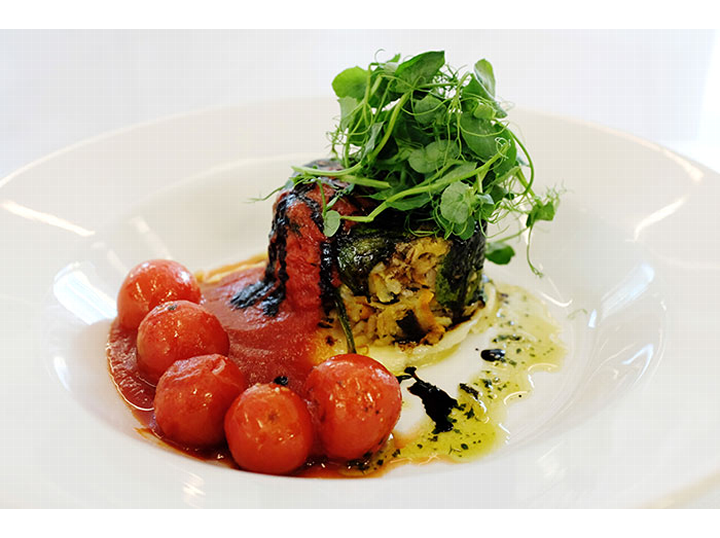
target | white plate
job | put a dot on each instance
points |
(631, 262)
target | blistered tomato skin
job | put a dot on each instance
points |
(355, 402)
(269, 430)
(150, 284)
(175, 331)
(192, 398)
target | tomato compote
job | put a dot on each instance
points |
(281, 320)
(264, 347)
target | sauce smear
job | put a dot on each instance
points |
(264, 347)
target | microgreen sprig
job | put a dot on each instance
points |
(424, 139)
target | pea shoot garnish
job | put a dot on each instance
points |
(432, 144)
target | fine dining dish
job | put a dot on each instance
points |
(615, 276)
(374, 268)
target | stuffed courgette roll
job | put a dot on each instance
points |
(397, 287)
(389, 236)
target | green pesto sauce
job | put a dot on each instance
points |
(530, 339)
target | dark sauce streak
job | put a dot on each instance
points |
(271, 290)
(471, 391)
(493, 355)
(438, 404)
(327, 264)
(327, 248)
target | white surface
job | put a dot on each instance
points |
(631, 420)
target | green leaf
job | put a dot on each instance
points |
(499, 253)
(482, 87)
(480, 136)
(461, 171)
(409, 131)
(411, 202)
(348, 106)
(428, 110)
(456, 203)
(484, 111)
(369, 145)
(351, 83)
(418, 70)
(498, 193)
(466, 230)
(485, 199)
(433, 156)
(541, 211)
(483, 72)
(331, 223)
(380, 82)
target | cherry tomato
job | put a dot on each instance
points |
(193, 396)
(175, 331)
(269, 430)
(151, 284)
(355, 403)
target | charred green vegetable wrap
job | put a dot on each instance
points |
(398, 287)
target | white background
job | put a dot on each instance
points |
(58, 87)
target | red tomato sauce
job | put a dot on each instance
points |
(122, 360)
(264, 348)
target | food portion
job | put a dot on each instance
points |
(192, 398)
(293, 362)
(175, 331)
(356, 403)
(151, 284)
(401, 288)
(269, 430)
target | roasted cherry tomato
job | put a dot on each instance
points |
(355, 403)
(151, 284)
(269, 430)
(193, 396)
(175, 331)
